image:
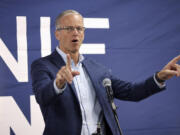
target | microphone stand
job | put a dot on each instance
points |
(113, 107)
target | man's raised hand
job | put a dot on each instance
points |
(170, 70)
(65, 74)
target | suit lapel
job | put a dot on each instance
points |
(57, 59)
(96, 75)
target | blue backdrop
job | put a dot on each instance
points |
(142, 36)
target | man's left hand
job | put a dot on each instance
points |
(170, 70)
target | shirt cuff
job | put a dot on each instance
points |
(57, 90)
(160, 85)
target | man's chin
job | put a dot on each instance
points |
(74, 50)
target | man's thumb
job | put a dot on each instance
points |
(74, 73)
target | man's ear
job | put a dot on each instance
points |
(57, 35)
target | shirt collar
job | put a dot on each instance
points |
(63, 55)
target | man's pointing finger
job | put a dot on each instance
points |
(68, 64)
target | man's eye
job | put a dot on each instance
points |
(69, 29)
(79, 28)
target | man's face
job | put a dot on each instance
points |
(70, 39)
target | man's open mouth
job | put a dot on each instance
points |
(74, 40)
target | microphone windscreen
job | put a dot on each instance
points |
(106, 82)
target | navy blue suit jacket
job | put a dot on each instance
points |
(61, 113)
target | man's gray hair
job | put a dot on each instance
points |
(66, 12)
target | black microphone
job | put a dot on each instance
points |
(107, 84)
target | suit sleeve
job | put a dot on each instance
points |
(42, 83)
(134, 91)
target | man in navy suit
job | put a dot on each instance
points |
(68, 86)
